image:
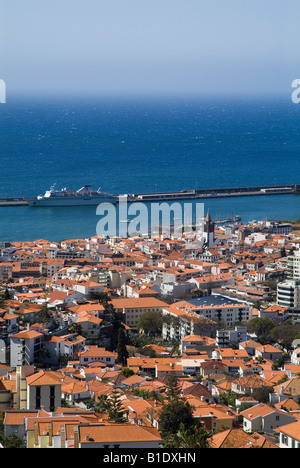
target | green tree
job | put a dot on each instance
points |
(2, 416)
(101, 297)
(285, 334)
(127, 372)
(115, 409)
(101, 405)
(174, 414)
(76, 328)
(114, 321)
(121, 349)
(7, 295)
(193, 437)
(228, 398)
(261, 327)
(151, 323)
(262, 394)
(62, 359)
(172, 387)
(12, 441)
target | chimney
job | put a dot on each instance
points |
(76, 438)
(36, 434)
(62, 438)
(50, 435)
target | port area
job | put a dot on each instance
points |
(13, 202)
(215, 193)
(188, 194)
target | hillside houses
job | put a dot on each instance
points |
(62, 308)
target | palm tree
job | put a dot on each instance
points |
(102, 404)
(172, 387)
(194, 437)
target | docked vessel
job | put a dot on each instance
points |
(82, 197)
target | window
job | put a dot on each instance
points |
(52, 398)
(38, 397)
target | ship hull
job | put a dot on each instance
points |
(68, 201)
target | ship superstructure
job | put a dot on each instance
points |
(82, 197)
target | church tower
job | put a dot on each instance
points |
(208, 230)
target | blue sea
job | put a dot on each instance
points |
(140, 145)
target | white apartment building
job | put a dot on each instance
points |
(87, 287)
(224, 338)
(194, 314)
(44, 390)
(63, 345)
(25, 347)
(288, 294)
(96, 354)
(293, 266)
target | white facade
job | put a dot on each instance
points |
(94, 354)
(289, 436)
(225, 337)
(47, 396)
(294, 266)
(288, 294)
(25, 348)
(229, 314)
(88, 287)
(267, 422)
(295, 357)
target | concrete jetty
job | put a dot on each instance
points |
(190, 194)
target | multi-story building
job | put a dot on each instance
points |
(293, 266)
(225, 338)
(25, 347)
(133, 308)
(96, 354)
(67, 345)
(201, 316)
(288, 292)
(6, 270)
(221, 308)
(44, 390)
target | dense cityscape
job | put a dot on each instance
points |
(186, 341)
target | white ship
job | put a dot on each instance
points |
(82, 197)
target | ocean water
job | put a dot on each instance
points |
(139, 145)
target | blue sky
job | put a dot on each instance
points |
(150, 47)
